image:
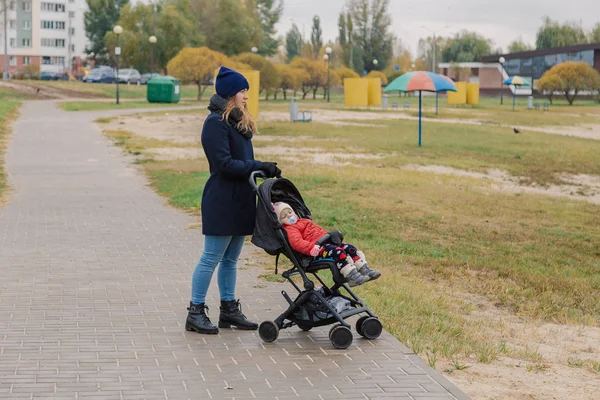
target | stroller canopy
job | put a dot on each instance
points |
(266, 235)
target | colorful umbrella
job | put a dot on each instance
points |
(421, 81)
(516, 81)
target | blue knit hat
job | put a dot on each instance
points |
(230, 82)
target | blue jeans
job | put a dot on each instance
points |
(217, 249)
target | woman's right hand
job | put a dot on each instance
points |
(271, 169)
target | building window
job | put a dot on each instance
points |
(26, 24)
(26, 6)
(72, 31)
(60, 8)
(12, 24)
(73, 48)
(60, 25)
(12, 61)
(13, 42)
(26, 60)
(12, 6)
(71, 14)
(26, 42)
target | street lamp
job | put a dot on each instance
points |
(117, 30)
(434, 49)
(254, 49)
(502, 60)
(327, 58)
(375, 62)
(152, 41)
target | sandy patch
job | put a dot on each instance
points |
(544, 361)
(579, 187)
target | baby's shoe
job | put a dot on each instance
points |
(371, 273)
(355, 278)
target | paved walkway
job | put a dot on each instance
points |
(95, 277)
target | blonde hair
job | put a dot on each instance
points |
(246, 123)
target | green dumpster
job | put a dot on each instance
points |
(163, 89)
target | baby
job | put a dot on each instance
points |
(303, 234)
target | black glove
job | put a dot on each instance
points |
(271, 169)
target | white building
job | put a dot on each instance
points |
(45, 33)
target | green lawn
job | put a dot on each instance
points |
(9, 102)
(438, 239)
(105, 105)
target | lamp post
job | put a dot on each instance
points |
(501, 61)
(375, 62)
(434, 49)
(152, 41)
(254, 49)
(117, 30)
(327, 58)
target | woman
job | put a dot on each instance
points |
(228, 201)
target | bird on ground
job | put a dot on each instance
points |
(516, 130)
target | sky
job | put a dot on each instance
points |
(500, 20)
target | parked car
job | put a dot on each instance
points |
(147, 76)
(103, 74)
(53, 76)
(129, 75)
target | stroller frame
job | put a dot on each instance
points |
(340, 335)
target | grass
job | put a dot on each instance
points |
(9, 102)
(436, 237)
(103, 105)
(101, 90)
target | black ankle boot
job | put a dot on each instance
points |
(231, 315)
(198, 321)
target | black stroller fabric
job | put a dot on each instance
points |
(266, 230)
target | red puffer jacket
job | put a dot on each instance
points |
(303, 235)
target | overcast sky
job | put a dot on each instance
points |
(500, 20)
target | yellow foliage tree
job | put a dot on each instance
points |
(572, 78)
(291, 79)
(269, 76)
(549, 84)
(345, 72)
(378, 74)
(317, 75)
(196, 65)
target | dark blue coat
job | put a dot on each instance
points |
(228, 200)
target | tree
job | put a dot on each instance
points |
(345, 72)
(552, 34)
(291, 79)
(316, 37)
(371, 38)
(269, 76)
(101, 17)
(172, 30)
(595, 34)
(316, 78)
(380, 75)
(237, 28)
(293, 42)
(199, 66)
(466, 47)
(519, 45)
(549, 84)
(269, 12)
(571, 78)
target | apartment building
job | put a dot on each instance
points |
(46, 33)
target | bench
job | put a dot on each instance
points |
(537, 106)
(394, 106)
(546, 106)
(407, 105)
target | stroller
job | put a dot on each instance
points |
(312, 307)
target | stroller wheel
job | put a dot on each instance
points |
(371, 328)
(340, 336)
(268, 331)
(359, 323)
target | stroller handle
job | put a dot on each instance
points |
(258, 174)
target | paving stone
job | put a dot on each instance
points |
(95, 274)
